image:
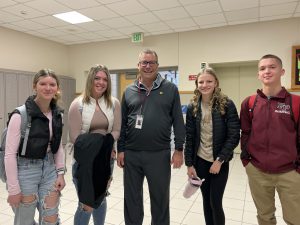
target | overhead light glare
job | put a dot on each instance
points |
(73, 17)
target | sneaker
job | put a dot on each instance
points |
(192, 186)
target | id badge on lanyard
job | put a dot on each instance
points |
(139, 117)
(139, 121)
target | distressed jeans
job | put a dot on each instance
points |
(36, 177)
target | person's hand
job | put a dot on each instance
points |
(191, 172)
(120, 159)
(60, 182)
(215, 167)
(14, 200)
(177, 159)
(113, 154)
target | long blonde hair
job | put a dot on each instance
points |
(218, 100)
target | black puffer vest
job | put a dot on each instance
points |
(39, 132)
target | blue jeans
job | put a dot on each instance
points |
(81, 216)
(36, 177)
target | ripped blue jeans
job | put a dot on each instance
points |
(37, 178)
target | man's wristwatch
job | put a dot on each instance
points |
(220, 160)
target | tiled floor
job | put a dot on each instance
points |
(238, 204)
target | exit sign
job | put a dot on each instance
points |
(137, 37)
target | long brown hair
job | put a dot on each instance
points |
(87, 93)
(218, 100)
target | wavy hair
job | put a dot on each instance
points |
(50, 73)
(218, 100)
(87, 93)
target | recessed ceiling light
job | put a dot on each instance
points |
(73, 17)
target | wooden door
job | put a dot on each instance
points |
(125, 80)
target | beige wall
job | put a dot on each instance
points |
(120, 54)
(20, 51)
(186, 50)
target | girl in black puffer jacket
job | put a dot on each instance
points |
(212, 133)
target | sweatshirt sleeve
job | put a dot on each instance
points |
(11, 149)
(74, 121)
(121, 141)
(178, 123)
(190, 136)
(245, 130)
(117, 121)
(59, 158)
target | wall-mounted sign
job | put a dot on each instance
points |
(137, 37)
(192, 77)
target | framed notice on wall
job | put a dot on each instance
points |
(295, 67)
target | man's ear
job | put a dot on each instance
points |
(282, 72)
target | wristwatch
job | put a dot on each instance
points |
(220, 160)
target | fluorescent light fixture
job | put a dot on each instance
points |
(73, 17)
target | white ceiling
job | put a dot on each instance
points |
(118, 19)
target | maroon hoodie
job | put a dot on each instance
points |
(270, 139)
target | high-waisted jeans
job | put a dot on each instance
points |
(36, 177)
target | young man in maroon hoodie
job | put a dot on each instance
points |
(270, 146)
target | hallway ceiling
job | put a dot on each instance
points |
(118, 19)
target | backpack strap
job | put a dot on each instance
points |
(251, 104)
(295, 102)
(25, 126)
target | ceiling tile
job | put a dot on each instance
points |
(8, 17)
(243, 14)
(159, 4)
(14, 27)
(297, 14)
(284, 16)
(281, 9)
(22, 1)
(30, 25)
(98, 13)
(117, 22)
(203, 8)
(182, 29)
(155, 27)
(298, 8)
(120, 18)
(162, 32)
(170, 14)
(142, 18)
(5, 3)
(71, 29)
(210, 19)
(48, 6)
(213, 25)
(71, 37)
(189, 2)
(181, 23)
(89, 36)
(130, 30)
(243, 21)
(52, 32)
(79, 4)
(93, 26)
(229, 5)
(274, 2)
(108, 1)
(24, 11)
(50, 21)
(34, 33)
(109, 33)
(127, 7)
